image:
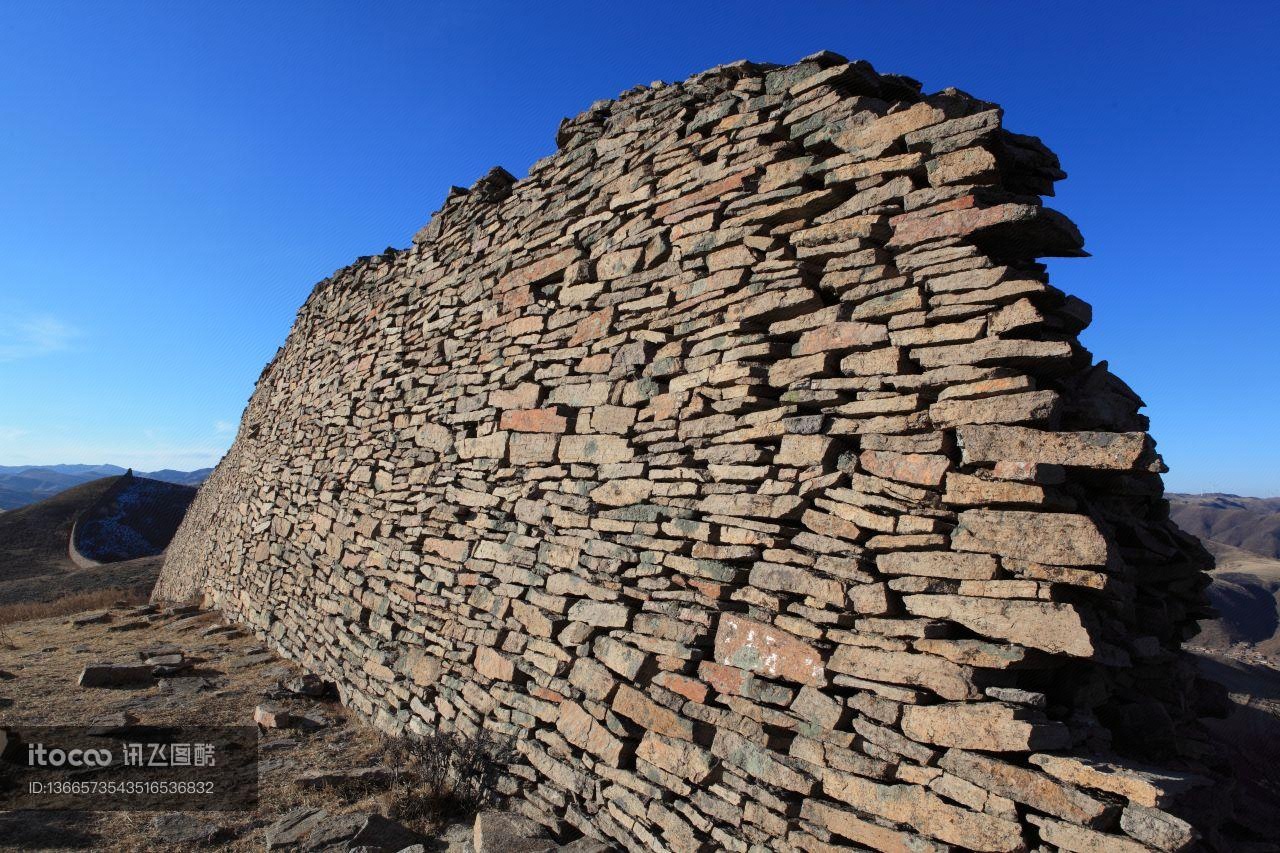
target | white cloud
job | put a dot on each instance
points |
(224, 427)
(33, 336)
(9, 435)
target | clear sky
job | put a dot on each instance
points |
(174, 177)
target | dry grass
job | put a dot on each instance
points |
(442, 777)
(437, 780)
(75, 603)
(47, 656)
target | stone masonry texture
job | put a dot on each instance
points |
(741, 467)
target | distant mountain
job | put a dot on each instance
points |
(27, 486)
(92, 471)
(21, 485)
(1250, 524)
(182, 478)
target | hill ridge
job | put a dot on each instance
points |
(21, 485)
(127, 518)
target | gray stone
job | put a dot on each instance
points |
(185, 829)
(114, 675)
(507, 832)
(292, 826)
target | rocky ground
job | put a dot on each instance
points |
(322, 785)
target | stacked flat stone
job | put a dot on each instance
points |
(742, 467)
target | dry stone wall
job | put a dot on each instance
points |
(741, 465)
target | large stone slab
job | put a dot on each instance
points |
(1058, 538)
(1024, 785)
(762, 648)
(1119, 451)
(1049, 626)
(949, 680)
(115, 675)
(982, 725)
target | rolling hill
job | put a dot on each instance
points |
(1250, 524)
(33, 539)
(136, 518)
(122, 522)
(1246, 594)
(1243, 534)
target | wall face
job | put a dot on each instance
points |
(742, 465)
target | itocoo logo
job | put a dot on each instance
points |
(40, 756)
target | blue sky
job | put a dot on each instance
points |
(175, 177)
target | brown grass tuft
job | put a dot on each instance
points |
(74, 603)
(442, 777)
